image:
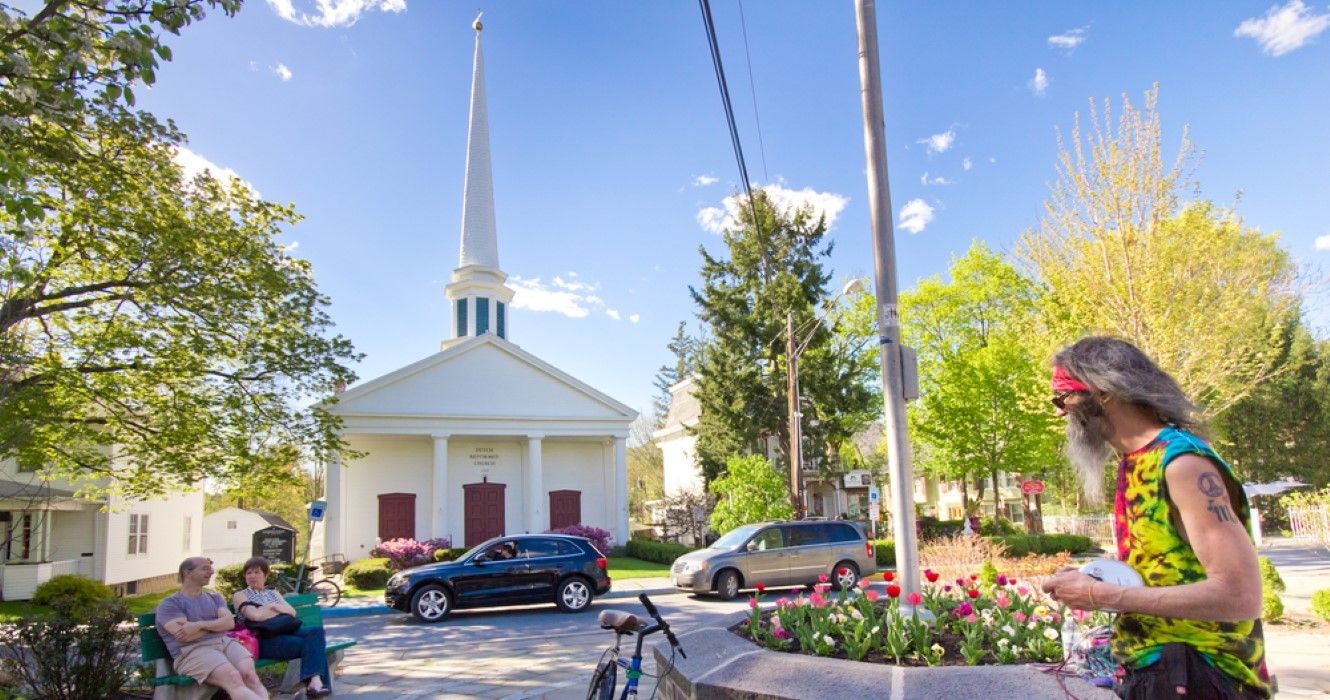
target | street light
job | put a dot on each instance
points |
(792, 352)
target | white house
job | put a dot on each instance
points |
(228, 534)
(482, 438)
(133, 546)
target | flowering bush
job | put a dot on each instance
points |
(977, 622)
(601, 538)
(405, 553)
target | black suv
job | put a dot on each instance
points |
(515, 570)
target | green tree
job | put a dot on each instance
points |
(751, 491)
(646, 467)
(774, 268)
(1117, 252)
(1282, 429)
(286, 498)
(684, 349)
(983, 405)
(142, 315)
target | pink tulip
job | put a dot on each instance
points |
(1022, 591)
(1003, 601)
(1018, 616)
(871, 595)
(914, 599)
(864, 583)
(780, 633)
(821, 588)
(971, 618)
(822, 578)
(781, 603)
(817, 601)
(752, 603)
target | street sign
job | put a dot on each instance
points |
(1032, 486)
(874, 496)
(317, 509)
(874, 512)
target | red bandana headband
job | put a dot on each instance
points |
(1063, 381)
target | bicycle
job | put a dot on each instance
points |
(328, 592)
(605, 678)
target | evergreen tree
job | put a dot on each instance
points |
(683, 347)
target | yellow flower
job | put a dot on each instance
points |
(1040, 610)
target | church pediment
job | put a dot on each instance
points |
(480, 377)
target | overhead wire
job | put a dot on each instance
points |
(752, 89)
(735, 142)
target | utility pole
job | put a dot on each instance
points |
(795, 425)
(888, 315)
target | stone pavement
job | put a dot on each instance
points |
(1298, 652)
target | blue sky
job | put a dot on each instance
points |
(611, 156)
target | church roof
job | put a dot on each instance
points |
(480, 243)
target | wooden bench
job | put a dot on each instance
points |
(168, 685)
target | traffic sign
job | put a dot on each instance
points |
(1032, 487)
(874, 512)
(873, 495)
(317, 509)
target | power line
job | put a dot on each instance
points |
(710, 25)
(752, 89)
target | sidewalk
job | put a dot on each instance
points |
(1298, 653)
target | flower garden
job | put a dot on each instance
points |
(979, 618)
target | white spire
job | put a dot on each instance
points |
(480, 243)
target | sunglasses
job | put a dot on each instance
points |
(1060, 400)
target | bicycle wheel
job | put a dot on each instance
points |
(329, 593)
(603, 680)
(284, 586)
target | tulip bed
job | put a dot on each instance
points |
(979, 621)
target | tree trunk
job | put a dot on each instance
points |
(997, 498)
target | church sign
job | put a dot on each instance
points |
(276, 544)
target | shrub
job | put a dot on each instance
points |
(602, 539)
(1321, 604)
(1270, 575)
(1272, 608)
(405, 552)
(230, 579)
(449, 554)
(70, 656)
(928, 527)
(885, 552)
(72, 592)
(998, 526)
(368, 573)
(659, 552)
(1020, 545)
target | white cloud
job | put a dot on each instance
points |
(940, 143)
(705, 180)
(634, 318)
(966, 164)
(570, 298)
(282, 71)
(1069, 39)
(915, 215)
(612, 313)
(1323, 242)
(828, 204)
(1284, 29)
(193, 164)
(1039, 83)
(333, 13)
(939, 180)
(992, 160)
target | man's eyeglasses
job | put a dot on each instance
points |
(1060, 400)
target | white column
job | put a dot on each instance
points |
(621, 490)
(536, 520)
(334, 521)
(439, 500)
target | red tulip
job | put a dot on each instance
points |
(974, 577)
(973, 593)
(888, 576)
(930, 575)
(760, 588)
(893, 590)
(822, 578)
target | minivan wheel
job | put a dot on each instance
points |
(573, 595)
(844, 575)
(431, 603)
(727, 584)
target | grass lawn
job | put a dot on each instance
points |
(628, 567)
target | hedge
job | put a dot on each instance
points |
(659, 552)
(78, 594)
(1021, 545)
(368, 573)
(885, 552)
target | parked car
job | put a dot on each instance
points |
(521, 569)
(777, 554)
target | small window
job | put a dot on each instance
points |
(230, 524)
(138, 533)
(482, 315)
(531, 549)
(461, 318)
(189, 531)
(501, 320)
(770, 538)
(566, 547)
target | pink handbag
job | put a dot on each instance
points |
(246, 639)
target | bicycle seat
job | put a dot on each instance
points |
(619, 621)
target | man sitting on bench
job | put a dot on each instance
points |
(192, 623)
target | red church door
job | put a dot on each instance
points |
(483, 508)
(397, 516)
(565, 508)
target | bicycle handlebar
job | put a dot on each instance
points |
(664, 626)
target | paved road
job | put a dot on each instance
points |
(528, 652)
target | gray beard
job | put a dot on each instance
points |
(1089, 452)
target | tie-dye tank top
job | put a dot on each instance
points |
(1148, 540)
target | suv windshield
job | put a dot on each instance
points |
(735, 537)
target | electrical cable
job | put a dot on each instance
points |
(719, 67)
(752, 89)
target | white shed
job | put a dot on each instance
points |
(228, 534)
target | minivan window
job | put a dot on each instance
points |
(804, 534)
(735, 537)
(840, 532)
(769, 538)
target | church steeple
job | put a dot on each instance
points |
(477, 294)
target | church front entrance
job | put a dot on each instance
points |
(484, 513)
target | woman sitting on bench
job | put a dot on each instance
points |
(258, 602)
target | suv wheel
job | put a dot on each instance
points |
(573, 595)
(844, 575)
(727, 584)
(431, 603)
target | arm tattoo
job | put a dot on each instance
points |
(1210, 485)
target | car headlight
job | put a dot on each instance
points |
(394, 581)
(694, 566)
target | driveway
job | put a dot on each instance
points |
(526, 652)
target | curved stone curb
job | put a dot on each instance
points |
(721, 664)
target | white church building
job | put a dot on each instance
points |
(482, 438)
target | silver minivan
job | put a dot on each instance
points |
(777, 554)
